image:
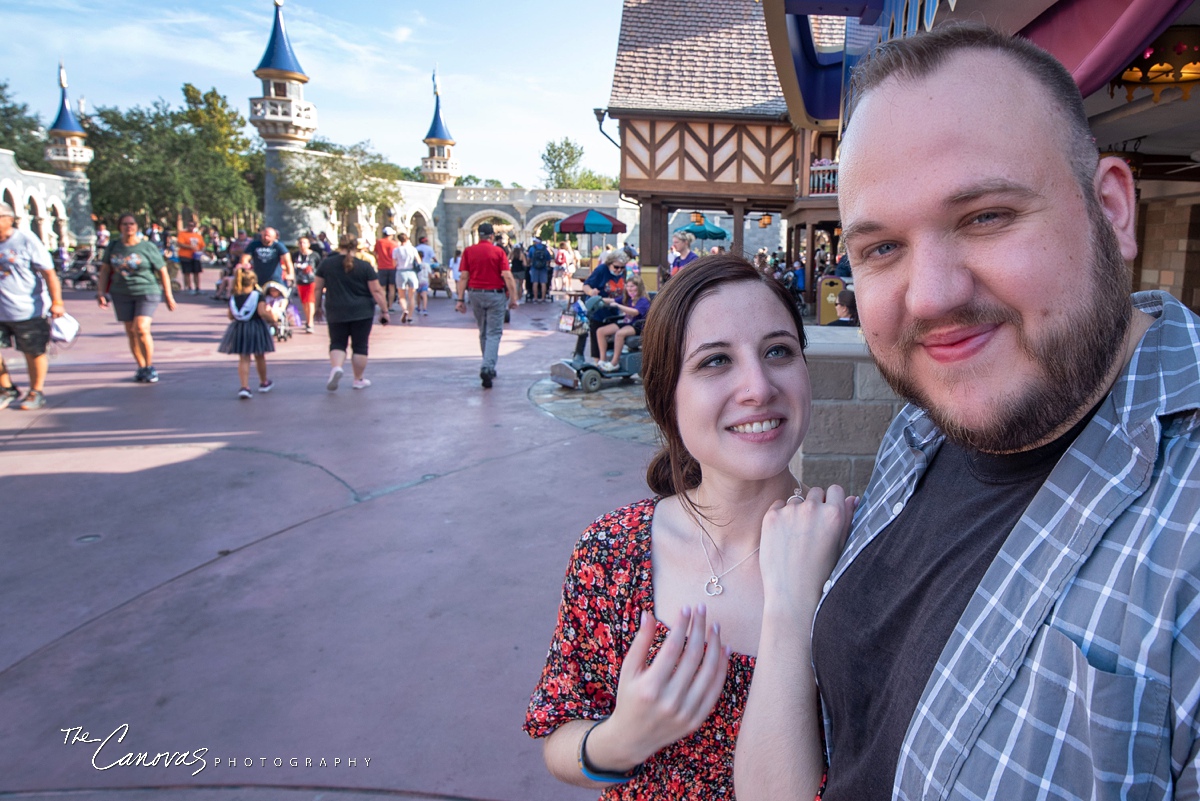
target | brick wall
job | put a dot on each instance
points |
(1169, 257)
(852, 408)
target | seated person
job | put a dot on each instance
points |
(633, 306)
(275, 296)
(606, 281)
(225, 284)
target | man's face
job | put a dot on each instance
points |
(6, 225)
(268, 236)
(990, 293)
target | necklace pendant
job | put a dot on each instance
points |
(713, 588)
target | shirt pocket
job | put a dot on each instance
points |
(1067, 725)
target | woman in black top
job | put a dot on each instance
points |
(519, 263)
(352, 291)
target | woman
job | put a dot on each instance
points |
(454, 274)
(352, 293)
(726, 382)
(846, 308)
(519, 265)
(681, 243)
(139, 282)
(634, 306)
(305, 266)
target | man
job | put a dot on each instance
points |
(541, 261)
(191, 245)
(29, 294)
(270, 257)
(426, 251)
(1015, 613)
(102, 238)
(486, 276)
(406, 258)
(155, 235)
(386, 265)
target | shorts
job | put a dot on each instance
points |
(28, 336)
(387, 278)
(422, 288)
(539, 275)
(356, 331)
(306, 292)
(129, 306)
(191, 266)
(406, 279)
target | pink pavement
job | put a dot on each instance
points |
(307, 575)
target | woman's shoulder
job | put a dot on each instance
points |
(620, 531)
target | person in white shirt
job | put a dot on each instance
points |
(406, 257)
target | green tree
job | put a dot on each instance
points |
(561, 163)
(467, 180)
(345, 178)
(22, 133)
(220, 125)
(493, 183)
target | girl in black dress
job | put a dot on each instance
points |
(248, 334)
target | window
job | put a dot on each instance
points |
(280, 89)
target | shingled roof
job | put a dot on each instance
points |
(708, 57)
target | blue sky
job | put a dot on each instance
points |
(512, 76)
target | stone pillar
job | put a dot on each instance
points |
(1170, 250)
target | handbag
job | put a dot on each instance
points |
(64, 329)
(572, 322)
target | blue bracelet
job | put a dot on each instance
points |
(607, 777)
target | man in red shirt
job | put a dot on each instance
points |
(487, 277)
(385, 263)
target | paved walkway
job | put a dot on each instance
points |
(307, 575)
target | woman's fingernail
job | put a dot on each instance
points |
(702, 609)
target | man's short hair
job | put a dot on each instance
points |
(919, 56)
(7, 210)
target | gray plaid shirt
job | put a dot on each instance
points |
(1075, 670)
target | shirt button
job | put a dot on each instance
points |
(827, 587)
(898, 508)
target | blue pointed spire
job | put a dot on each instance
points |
(65, 121)
(437, 129)
(279, 56)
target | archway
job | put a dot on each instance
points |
(35, 218)
(468, 234)
(539, 220)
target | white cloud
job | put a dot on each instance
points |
(402, 34)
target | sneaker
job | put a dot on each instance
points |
(140, 375)
(267, 387)
(151, 375)
(308, 329)
(33, 400)
(9, 395)
(362, 383)
(425, 311)
(335, 375)
(485, 377)
(245, 394)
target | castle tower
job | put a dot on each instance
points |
(439, 167)
(69, 156)
(285, 121)
(67, 152)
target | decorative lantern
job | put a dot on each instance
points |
(765, 221)
(1172, 59)
(697, 218)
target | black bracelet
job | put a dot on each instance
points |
(606, 776)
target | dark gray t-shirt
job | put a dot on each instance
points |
(23, 291)
(347, 295)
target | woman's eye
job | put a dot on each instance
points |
(717, 360)
(780, 352)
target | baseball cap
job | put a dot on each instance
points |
(486, 229)
(388, 230)
(7, 210)
(537, 241)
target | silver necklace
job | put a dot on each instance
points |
(712, 587)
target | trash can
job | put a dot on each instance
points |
(827, 295)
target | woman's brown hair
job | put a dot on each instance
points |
(673, 471)
(348, 243)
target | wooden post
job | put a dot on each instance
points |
(739, 235)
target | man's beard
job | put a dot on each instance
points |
(1075, 357)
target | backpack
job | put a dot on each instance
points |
(560, 257)
(540, 257)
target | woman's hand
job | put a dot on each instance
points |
(801, 542)
(660, 703)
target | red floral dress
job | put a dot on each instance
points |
(609, 584)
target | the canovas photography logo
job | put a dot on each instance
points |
(111, 752)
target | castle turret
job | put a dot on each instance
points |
(439, 167)
(283, 117)
(67, 151)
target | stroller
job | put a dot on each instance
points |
(275, 295)
(439, 280)
(81, 272)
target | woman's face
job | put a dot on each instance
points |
(743, 397)
(679, 245)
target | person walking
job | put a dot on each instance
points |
(271, 259)
(487, 278)
(248, 333)
(406, 258)
(541, 262)
(305, 265)
(352, 291)
(519, 264)
(190, 247)
(385, 263)
(30, 294)
(134, 275)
